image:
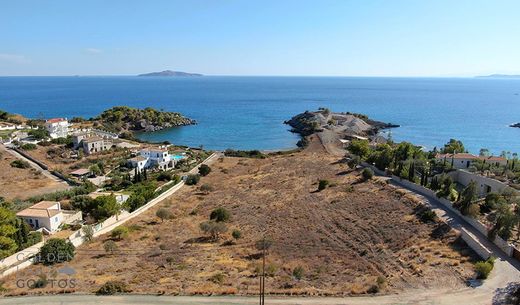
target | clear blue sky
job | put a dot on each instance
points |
(230, 37)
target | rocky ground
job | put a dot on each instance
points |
(352, 238)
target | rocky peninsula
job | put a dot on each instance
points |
(122, 119)
(334, 127)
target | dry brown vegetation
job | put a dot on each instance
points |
(18, 183)
(351, 238)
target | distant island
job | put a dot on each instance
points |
(170, 73)
(499, 76)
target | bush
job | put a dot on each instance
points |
(164, 176)
(20, 164)
(483, 268)
(298, 272)
(428, 215)
(354, 161)
(28, 146)
(206, 188)
(56, 250)
(163, 214)
(213, 229)
(217, 278)
(244, 153)
(120, 232)
(204, 170)
(192, 179)
(110, 246)
(236, 234)
(220, 215)
(112, 287)
(367, 174)
(322, 184)
(89, 232)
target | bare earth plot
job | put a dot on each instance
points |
(352, 238)
(23, 183)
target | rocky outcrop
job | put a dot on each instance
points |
(516, 125)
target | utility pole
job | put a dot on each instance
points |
(262, 275)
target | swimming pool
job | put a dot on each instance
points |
(177, 157)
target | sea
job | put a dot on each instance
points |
(248, 112)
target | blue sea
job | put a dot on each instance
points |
(248, 112)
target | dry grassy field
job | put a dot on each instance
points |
(17, 183)
(351, 238)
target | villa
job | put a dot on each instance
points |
(95, 144)
(48, 216)
(153, 158)
(57, 128)
(465, 160)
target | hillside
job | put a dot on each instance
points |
(351, 238)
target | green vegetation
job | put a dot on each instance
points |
(483, 268)
(453, 146)
(236, 234)
(110, 246)
(88, 232)
(204, 170)
(112, 287)
(213, 229)
(28, 146)
(220, 215)
(206, 188)
(123, 118)
(86, 188)
(39, 134)
(367, 174)
(20, 164)
(322, 184)
(120, 232)
(163, 214)
(245, 154)
(298, 272)
(192, 179)
(56, 250)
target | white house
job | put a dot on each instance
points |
(57, 128)
(159, 158)
(48, 215)
(465, 160)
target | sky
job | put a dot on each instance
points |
(441, 38)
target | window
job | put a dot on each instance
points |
(30, 220)
(56, 219)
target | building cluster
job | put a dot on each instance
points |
(465, 160)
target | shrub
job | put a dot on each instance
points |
(204, 170)
(428, 215)
(213, 229)
(56, 250)
(367, 174)
(298, 272)
(110, 246)
(120, 232)
(354, 161)
(20, 164)
(192, 179)
(206, 188)
(217, 278)
(89, 232)
(236, 234)
(322, 184)
(28, 146)
(112, 287)
(163, 214)
(164, 176)
(219, 215)
(483, 268)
